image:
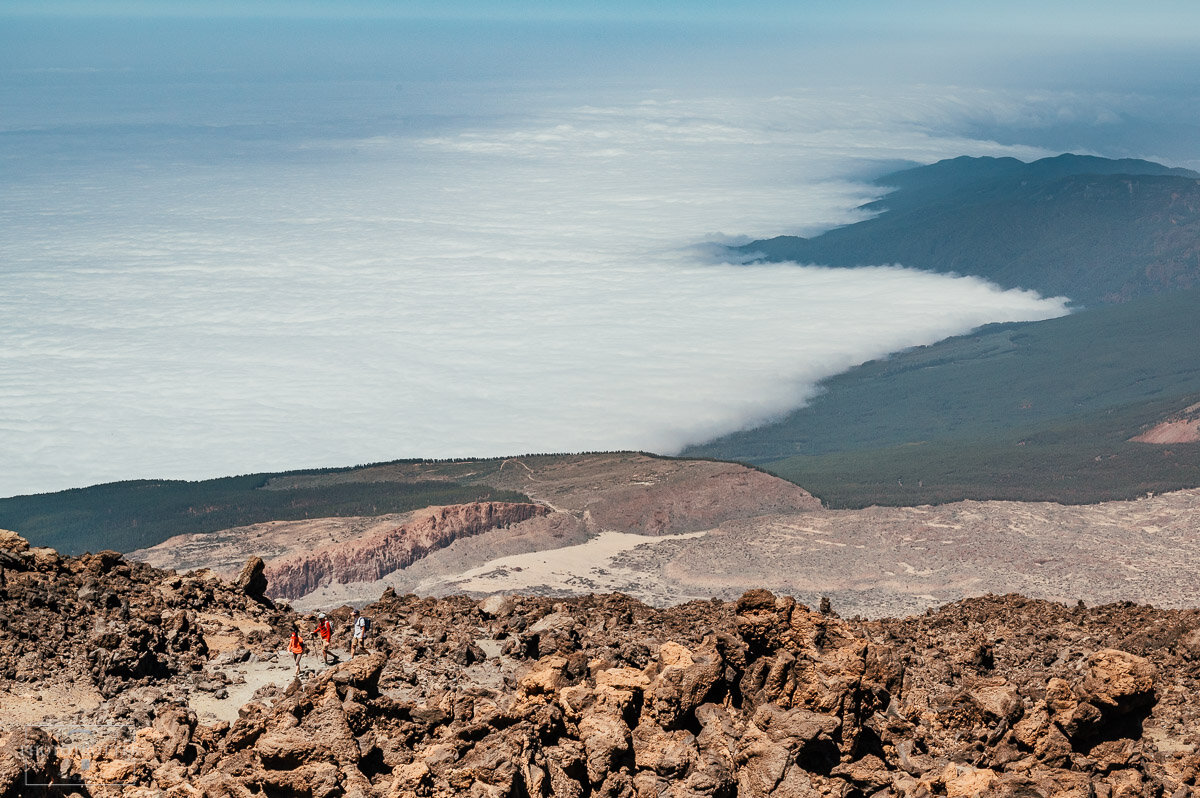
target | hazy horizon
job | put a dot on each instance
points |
(345, 234)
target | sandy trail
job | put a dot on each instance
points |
(566, 569)
(256, 675)
(24, 707)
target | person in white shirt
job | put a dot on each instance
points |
(359, 629)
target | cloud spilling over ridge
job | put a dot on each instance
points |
(522, 282)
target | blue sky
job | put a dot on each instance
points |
(1165, 18)
(1069, 22)
(1117, 46)
(948, 30)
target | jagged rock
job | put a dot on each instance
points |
(964, 781)
(27, 756)
(361, 673)
(410, 779)
(870, 773)
(681, 683)
(1111, 755)
(1119, 682)
(1052, 747)
(758, 620)
(557, 622)
(776, 746)
(546, 677)
(565, 763)
(173, 728)
(13, 551)
(1126, 784)
(606, 741)
(1032, 727)
(1060, 698)
(12, 542)
(998, 699)
(623, 679)
(669, 754)
(285, 749)
(496, 606)
(253, 580)
(761, 698)
(318, 779)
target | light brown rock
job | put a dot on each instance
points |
(545, 678)
(964, 781)
(1119, 681)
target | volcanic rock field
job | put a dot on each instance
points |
(598, 695)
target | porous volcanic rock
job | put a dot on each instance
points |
(253, 579)
(603, 696)
(106, 621)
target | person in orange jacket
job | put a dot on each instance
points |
(296, 646)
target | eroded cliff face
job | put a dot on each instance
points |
(371, 557)
(326, 561)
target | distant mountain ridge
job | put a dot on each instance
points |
(1092, 229)
(1057, 410)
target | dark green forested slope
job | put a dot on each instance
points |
(1092, 229)
(1011, 411)
(1081, 460)
(130, 515)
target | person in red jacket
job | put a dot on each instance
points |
(324, 631)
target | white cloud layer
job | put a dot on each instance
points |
(526, 282)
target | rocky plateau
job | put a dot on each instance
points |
(669, 531)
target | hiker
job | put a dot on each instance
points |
(324, 631)
(361, 625)
(296, 646)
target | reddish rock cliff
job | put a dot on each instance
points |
(374, 556)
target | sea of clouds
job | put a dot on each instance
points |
(191, 302)
(218, 268)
